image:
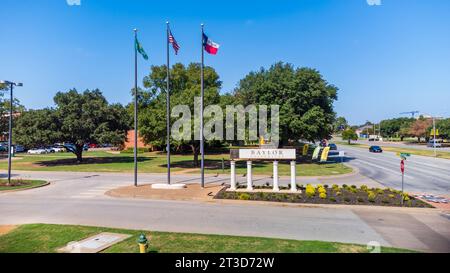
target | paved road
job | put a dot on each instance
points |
(404, 145)
(423, 174)
(78, 198)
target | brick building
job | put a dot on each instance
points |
(129, 143)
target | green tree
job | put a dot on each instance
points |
(304, 96)
(37, 128)
(340, 124)
(349, 135)
(78, 118)
(3, 87)
(443, 126)
(185, 86)
(4, 111)
(393, 127)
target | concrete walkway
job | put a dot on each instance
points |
(78, 198)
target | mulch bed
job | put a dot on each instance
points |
(344, 196)
(15, 184)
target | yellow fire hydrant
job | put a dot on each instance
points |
(143, 243)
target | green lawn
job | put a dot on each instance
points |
(429, 153)
(20, 184)
(40, 238)
(156, 163)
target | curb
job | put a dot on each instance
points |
(355, 171)
(25, 189)
(325, 206)
(113, 194)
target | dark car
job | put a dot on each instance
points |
(333, 147)
(375, 149)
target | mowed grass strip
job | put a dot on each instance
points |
(20, 184)
(101, 161)
(43, 238)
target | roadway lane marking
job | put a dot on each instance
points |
(95, 192)
(430, 165)
(82, 196)
(393, 156)
(415, 168)
(383, 168)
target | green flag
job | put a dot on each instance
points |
(140, 49)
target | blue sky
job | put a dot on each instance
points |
(385, 59)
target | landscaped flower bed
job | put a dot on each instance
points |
(347, 195)
(20, 184)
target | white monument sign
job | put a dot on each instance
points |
(269, 154)
(263, 154)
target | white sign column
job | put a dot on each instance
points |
(233, 175)
(293, 176)
(276, 187)
(249, 176)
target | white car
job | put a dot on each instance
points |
(37, 151)
(58, 149)
(55, 149)
(438, 143)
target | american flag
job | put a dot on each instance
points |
(174, 43)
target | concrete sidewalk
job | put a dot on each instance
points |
(78, 198)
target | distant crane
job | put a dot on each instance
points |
(412, 113)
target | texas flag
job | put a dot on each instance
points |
(209, 45)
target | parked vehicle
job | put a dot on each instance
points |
(437, 144)
(106, 145)
(71, 147)
(375, 138)
(375, 149)
(38, 151)
(55, 149)
(19, 149)
(93, 146)
(59, 148)
(333, 147)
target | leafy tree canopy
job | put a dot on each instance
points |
(396, 127)
(349, 134)
(185, 86)
(305, 98)
(78, 118)
(443, 126)
(340, 124)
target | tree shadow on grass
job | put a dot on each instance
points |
(91, 160)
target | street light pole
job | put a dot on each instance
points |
(11, 105)
(10, 132)
(434, 132)
(434, 137)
